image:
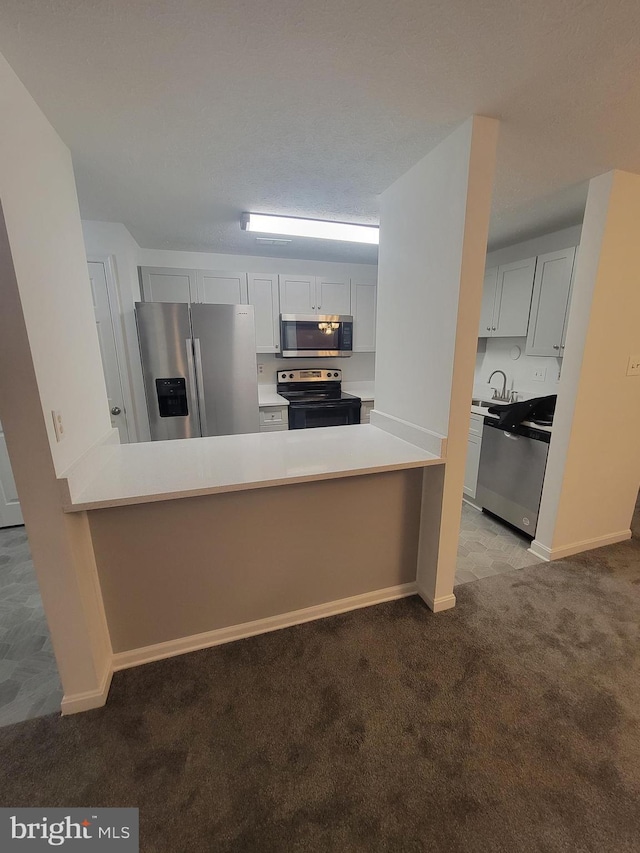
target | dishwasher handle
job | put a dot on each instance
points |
(511, 435)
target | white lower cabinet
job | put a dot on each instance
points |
(274, 418)
(365, 411)
(473, 455)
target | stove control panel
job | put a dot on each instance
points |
(316, 374)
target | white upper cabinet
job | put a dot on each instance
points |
(512, 288)
(551, 293)
(263, 295)
(314, 295)
(298, 294)
(160, 284)
(488, 301)
(221, 288)
(566, 313)
(333, 295)
(363, 307)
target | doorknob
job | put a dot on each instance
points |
(116, 410)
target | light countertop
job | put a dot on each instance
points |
(364, 389)
(267, 396)
(118, 475)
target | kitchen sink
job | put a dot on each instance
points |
(483, 404)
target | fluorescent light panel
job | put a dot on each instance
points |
(290, 226)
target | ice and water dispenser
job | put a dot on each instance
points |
(172, 397)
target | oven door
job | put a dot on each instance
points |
(322, 335)
(324, 414)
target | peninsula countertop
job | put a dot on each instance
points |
(125, 474)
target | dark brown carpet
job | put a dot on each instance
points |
(508, 724)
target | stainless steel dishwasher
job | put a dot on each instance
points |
(511, 473)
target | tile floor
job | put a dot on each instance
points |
(488, 547)
(29, 682)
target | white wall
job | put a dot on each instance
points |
(248, 263)
(37, 191)
(433, 241)
(553, 242)
(593, 468)
(500, 354)
(50, 359)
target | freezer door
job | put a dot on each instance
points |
(166, 350)
(224, 341)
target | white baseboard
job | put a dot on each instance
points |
(77, 702)
(182, 645)
(548, 554)
(444, 602)
(423, 438)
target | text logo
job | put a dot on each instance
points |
(70, 829)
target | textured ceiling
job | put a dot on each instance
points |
(180, 115)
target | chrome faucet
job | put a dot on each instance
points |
(503, 396)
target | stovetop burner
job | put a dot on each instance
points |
(312, 385)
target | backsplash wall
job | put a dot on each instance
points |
(358, 367)
(496, 354)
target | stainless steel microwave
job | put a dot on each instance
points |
(316, 335)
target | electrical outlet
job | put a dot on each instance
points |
(539, 374)
(633, 368)
(260, 369)
(58, 424)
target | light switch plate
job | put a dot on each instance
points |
(58, 424)
(633, 368)
(539, 374)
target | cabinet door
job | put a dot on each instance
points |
(513, 299)
(566, 313)
(298, 294)
(549, 303)
(488, 301)
(363, 307)
(263, 295)
(221, 288)
(160, 284)
(333, 295)
(471, 468)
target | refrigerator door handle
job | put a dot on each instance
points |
(192, 376)
(200, 387)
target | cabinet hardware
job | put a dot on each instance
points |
(116, 410)
(556, 346)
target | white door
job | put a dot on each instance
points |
(298, 294)
(221, 288)
(106, 337)
(10, 512)
(263, 295)
(334, 296)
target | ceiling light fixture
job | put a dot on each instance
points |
(290, 226)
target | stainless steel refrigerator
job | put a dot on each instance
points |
(199, 368)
